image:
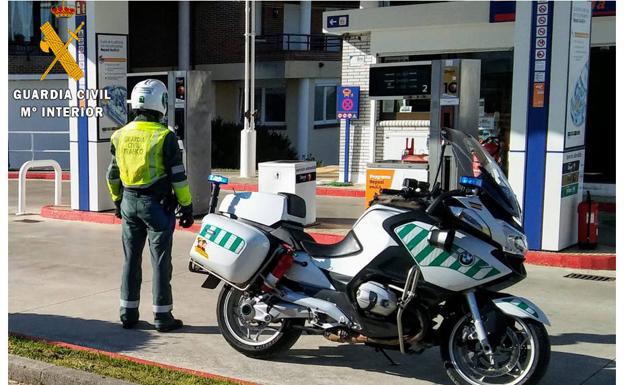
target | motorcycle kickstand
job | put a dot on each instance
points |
(392, 362)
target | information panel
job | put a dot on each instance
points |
(578, 74)
(408, 80)
(112, 69)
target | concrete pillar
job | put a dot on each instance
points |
(549, 107)
(305, 20)
(184, 35)
(305, 115)
(89, 145)
(305, 17)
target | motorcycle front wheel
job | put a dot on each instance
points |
(251, 337)
(521, 357)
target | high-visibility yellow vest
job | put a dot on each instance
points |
(139, 153)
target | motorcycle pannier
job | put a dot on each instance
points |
(232, 250)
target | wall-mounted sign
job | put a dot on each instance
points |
(572, 171)
(338, 21)
(112, 70)
(402, 80)
(501, 11)
(578, 74)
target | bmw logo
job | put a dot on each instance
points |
(466, 259)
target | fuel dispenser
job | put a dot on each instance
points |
(455, 89)
(189, 115)
(452, 88)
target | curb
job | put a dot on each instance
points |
(322, 191)
(589, 261)
(40, 175)
(60, 375)
(33, 372)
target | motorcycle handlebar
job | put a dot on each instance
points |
(436, 202)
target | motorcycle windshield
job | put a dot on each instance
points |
(473, 160)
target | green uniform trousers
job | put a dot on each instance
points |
(143, 216)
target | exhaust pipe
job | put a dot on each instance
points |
(344, 336)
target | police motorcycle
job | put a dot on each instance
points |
(420, 268)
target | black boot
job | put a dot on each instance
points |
(129, 318)
(167, 326)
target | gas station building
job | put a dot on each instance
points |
(539, 144)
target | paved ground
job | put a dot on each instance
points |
(64, 280)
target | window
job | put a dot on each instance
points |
(25, 19)
(325, 105)
(271, 106)
(21, 21)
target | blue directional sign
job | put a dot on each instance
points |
(348, 102)
(338, 21)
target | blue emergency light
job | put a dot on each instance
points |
(471, 181)
(218, 179)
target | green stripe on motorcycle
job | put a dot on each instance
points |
(215, 234)
(406, 230)
(480, 264)
(492, 272)
(439, 259)
(416, 240)
(204, 231)
(455, 265)
(424, 253)
(525, 307)
(225, 239)
(235, 245)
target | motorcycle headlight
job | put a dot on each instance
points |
(516, 242)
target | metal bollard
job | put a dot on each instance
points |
(21, 188)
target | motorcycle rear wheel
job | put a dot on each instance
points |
(522, 355)
(254, 339)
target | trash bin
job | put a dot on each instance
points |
(290, 176)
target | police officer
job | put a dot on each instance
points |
(146, 166)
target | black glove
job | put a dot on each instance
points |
(186, 216)
(170, 203)
(118, 209)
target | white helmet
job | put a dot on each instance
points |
(150, 94)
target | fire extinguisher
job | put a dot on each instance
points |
(588, 223)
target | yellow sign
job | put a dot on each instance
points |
(53, 41)
(377, 180)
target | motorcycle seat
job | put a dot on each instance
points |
(347, 246)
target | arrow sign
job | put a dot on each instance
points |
(337, 21)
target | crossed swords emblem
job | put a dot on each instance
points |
(54, 42)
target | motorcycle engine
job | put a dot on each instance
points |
(376, 298)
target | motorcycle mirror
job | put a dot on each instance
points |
(442, 238)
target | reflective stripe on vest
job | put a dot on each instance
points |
(138, 151)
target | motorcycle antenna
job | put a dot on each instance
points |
(441, 160)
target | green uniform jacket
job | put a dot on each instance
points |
(146, 154)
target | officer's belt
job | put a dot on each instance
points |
(159, 189)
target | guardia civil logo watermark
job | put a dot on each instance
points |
(51, 42)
